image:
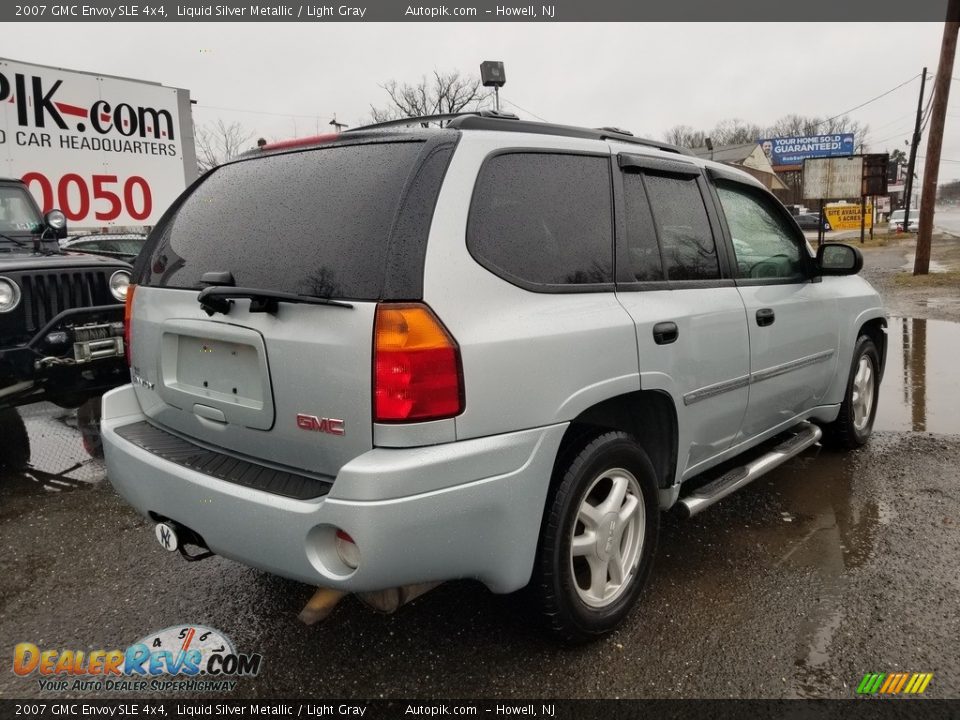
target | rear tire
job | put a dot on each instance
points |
(15, 448)
(854, 424)
(88, 422)
(598, 539)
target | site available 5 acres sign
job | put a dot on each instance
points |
(107, 151)
(847, 217)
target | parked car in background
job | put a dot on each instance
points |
(121, 246)
(61, 318)
(897, 217)
(811, 221)
(495, 350)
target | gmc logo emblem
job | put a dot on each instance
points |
(331, 426)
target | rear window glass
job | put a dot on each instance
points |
(313, 223)
(686, 241)
(544, 218)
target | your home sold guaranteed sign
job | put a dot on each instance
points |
(105, 150)
(794, 150)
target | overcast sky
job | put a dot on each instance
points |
(644, 77)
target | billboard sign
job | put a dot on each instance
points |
(794, 150)
(107, 151)
(832, 178)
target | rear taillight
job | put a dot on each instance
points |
(416, 366)
(128, 321)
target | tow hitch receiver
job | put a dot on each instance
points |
(173, 537)
(167, 536)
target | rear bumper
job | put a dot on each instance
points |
(472, 509)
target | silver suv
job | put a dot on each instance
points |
(492, 350)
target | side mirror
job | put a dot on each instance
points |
(839, 259)
(56, 221)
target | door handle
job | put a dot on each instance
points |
(665, 333)
(765, 316)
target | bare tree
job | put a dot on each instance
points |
(736, 131)
(218, 142)
(439, 94)
(802, 125)
(685, 136)
(725, 132)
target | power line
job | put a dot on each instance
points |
(261, 112)
(907, 131)
(926, 111)
(892, 122)
(510, 102)
(864, 104)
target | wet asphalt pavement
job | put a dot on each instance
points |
(830, 567)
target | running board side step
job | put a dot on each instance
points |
(807, 434)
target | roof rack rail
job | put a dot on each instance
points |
(618, 131)
(493, 120)
(472, 121)
(424, 119)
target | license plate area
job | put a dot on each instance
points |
(214, 369)
(219, 366)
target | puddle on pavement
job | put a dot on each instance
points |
(921, 385)
(826, 527)
(58, 460)
(832, 530)
(938, 303)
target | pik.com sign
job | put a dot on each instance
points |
(794, 150)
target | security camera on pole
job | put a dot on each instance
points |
(493, 75)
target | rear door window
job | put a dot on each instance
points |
(315, 222)
(683, 227)
(544, 220)
(643, 259)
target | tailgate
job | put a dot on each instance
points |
(292, 388)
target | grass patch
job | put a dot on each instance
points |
(878, 241)
(944, 279)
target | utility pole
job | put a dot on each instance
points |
(911, 163)
(938, 115)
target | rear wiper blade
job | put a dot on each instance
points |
(218, 299)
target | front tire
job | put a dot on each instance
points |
(854, 424)
(15, 448)
(598, 539)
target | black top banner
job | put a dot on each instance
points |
(810, 11)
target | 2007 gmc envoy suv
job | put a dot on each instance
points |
(494, 350)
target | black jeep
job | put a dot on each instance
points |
(61, 318)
